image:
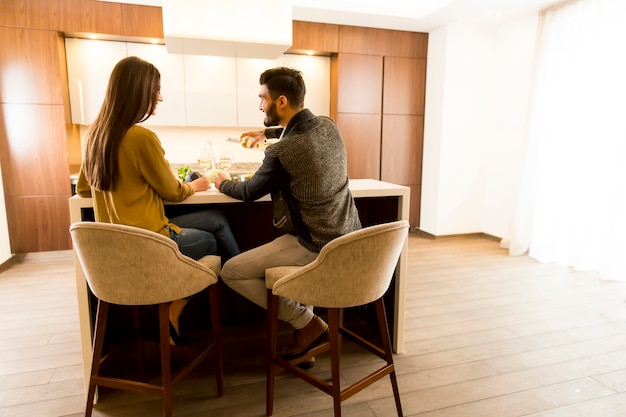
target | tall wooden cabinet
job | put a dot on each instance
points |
(33, 148)
(358, 111)
(35, 123)
(379, 105)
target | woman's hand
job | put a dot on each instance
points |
(200, 184)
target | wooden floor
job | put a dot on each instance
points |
(488, 335)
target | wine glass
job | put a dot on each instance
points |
(205, 156)
(225, 158)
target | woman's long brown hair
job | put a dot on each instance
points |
(130, 98)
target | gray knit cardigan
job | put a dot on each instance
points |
(306, 175)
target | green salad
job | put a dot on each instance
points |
(183, 171)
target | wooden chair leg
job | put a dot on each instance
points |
(272, 345)
(98, 342)
(335, 355)
(384, 333)
(166, 364)
(142, 351)
(216, 327)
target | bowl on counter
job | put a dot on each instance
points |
(238, 177)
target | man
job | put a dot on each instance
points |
(306, 174)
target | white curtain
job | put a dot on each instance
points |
(572, 206)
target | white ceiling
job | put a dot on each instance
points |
(411, 15)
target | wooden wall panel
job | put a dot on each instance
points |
(42, 223)
(401, 153)
(371, 41)
(321, 37)
(91, 16)
(360, 83)
(142, 21)
(33, 147)
(30, 67)
(34, 153)
(13, 13)
(334, 85)
(361, 134)
(404, 84)
(415, 205)
(83, 16)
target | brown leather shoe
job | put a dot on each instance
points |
(306, 338)
(307, 364)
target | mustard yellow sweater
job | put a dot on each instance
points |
(145, 180)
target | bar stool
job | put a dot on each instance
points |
(130, 266)
(352, 270)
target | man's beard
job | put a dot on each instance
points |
(271, 116)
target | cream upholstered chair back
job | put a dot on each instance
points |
(132, 266)
(351, 270)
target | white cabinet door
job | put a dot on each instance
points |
(89, 66)
(171, 111)
(248, 72)
(316, 73)
(210, 87)
(197, 90)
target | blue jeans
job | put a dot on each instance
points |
(205, 232)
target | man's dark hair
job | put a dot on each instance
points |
(283, 81)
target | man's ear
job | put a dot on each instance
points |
(283, 102)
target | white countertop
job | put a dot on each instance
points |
(359, 188)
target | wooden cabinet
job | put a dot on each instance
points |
(33, 149)
(361, 134)
(360, 83)
(317, 37)
(402, 136)
(404, 85)
(382, 42)
(379, 79)
(358, 111)
(30, 67)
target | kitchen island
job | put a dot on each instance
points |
(377, 201)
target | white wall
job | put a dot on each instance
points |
(5, 244)
(506, 147)
(476, 95)
(182, 143)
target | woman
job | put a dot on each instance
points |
(126, 174)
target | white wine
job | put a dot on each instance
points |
(206, 164)
(225, 163)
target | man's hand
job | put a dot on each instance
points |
(219, 177)
(252, 139)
